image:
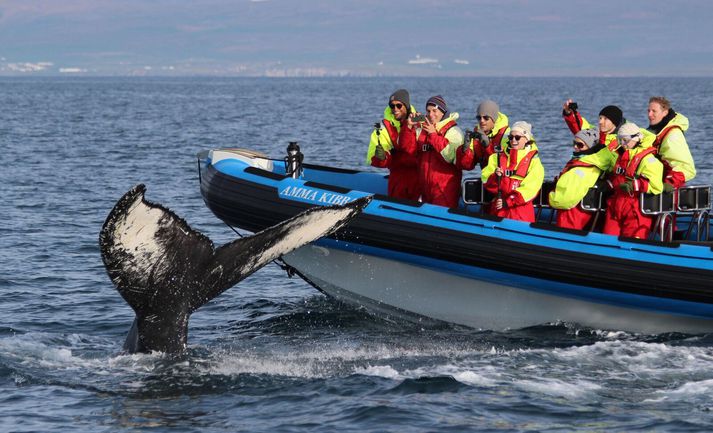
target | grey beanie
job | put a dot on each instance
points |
(488, 108)
(401, 95)
(590, 137)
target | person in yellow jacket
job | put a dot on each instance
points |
(489, 134)
(670, 142)
(393, 146)
(590, 160)
(637, 171)
(514, 175)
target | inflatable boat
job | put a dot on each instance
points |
(428, 263)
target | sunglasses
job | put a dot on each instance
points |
(515, 137)
(396, 105)
(578, 145)
(626, 139)
(486, 118)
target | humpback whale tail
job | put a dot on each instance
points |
(165, 270)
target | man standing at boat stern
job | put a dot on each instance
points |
(393, 146)
(670, 142)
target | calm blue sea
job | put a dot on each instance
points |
(273, 354)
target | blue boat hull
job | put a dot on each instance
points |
(518, 268)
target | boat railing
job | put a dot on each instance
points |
(691, 202)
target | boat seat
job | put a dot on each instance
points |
(695, 200)
(692, 200)
(473, 192)
(542, 201)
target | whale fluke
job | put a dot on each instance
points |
(165, 270)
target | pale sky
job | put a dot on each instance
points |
(357, 37)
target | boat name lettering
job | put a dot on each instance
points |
(317, 196)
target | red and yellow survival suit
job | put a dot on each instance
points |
(674, 152)
(640, 166)
(401, 157)
(578, 175)
(438, 175)
(522, 178)
(478, 152)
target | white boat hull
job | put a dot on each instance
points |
(411, 292)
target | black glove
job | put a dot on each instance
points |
(482, 138)
(466, 140)
(627, 186)
(667, 188)
(380, 153)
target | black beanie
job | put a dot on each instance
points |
(613, 113)
(401, 95)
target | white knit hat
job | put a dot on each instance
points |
(628, 131)
(523, 127)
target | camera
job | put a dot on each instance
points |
(573, 106)
(418, 118)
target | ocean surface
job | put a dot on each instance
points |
(272, 354)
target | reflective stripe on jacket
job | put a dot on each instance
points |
(580, 174)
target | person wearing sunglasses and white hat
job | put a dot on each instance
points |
(590, 161)
(637, 171)
(514, 176)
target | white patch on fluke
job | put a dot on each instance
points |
(301, 232)
(135, 233)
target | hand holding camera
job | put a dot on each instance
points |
(569, 106)
(418, 118)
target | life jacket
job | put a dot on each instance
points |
(661, 136)
(448, 125)
(500, 127)
(495, 140)
(446, 128)
(522, 167)
(575, 162)
(633, 164)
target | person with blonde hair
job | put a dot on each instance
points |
(670, 142)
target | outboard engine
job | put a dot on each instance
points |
(293, 160)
